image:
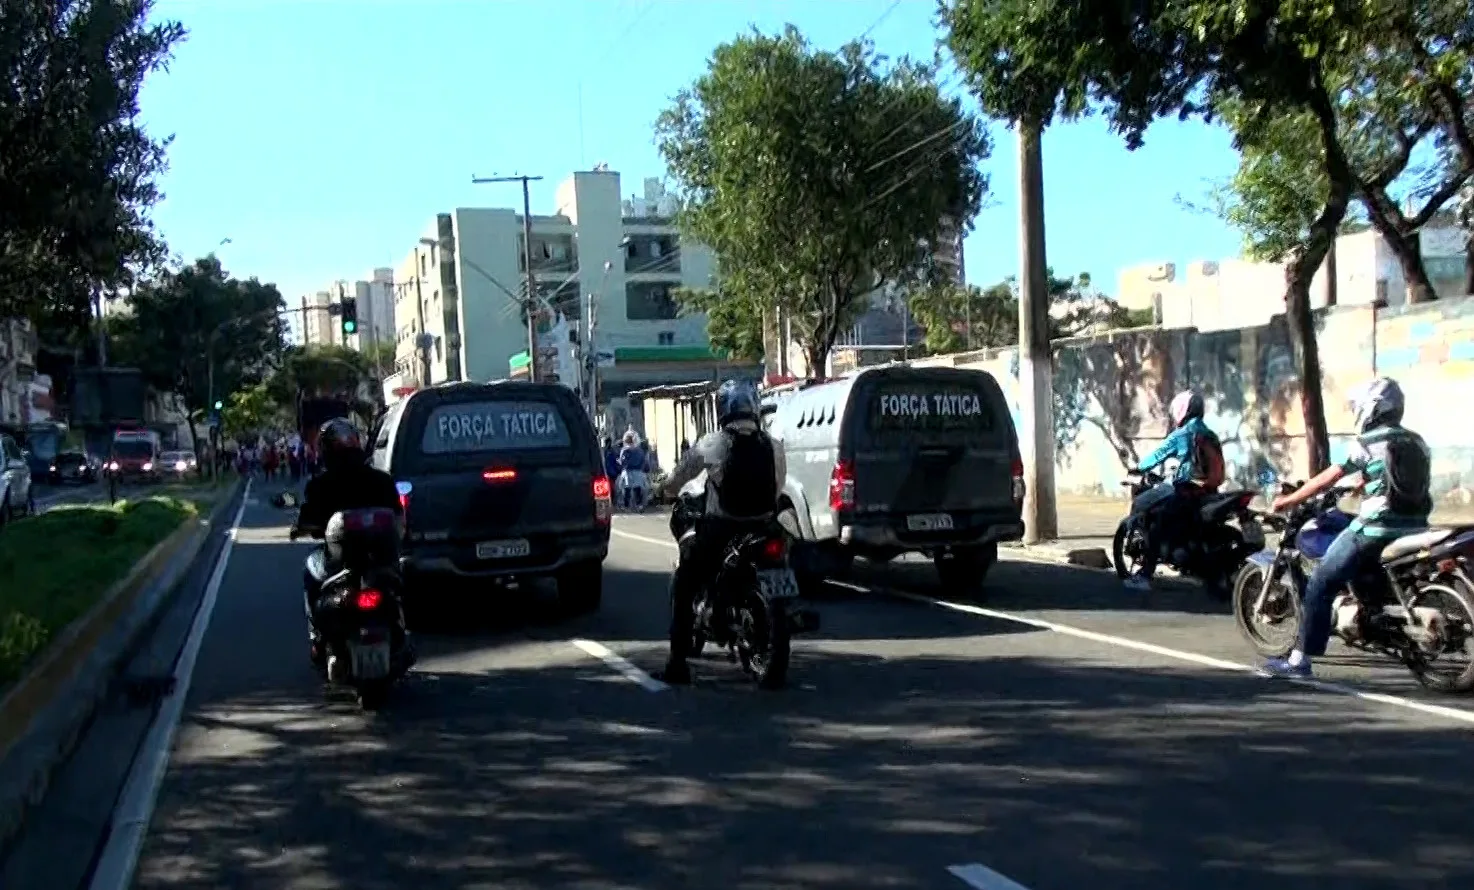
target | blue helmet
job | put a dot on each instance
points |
(736, 400)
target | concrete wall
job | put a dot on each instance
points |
(1111, 392)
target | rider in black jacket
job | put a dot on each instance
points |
(346, 483)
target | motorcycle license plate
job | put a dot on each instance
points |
(777, 584)
(929, 522)
(370, 660)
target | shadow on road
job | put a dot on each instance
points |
(1017, 584)
(1058, 774)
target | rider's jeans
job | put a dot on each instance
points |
(1348, 557)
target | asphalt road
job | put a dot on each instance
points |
(1071, 735)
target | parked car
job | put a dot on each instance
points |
(75, 467)
(501, 483)
(16, 496)
(898, 459)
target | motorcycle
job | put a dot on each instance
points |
(1417, 606)
(1226, 532)
(750, 607)
(360, 608)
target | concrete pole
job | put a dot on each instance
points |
(1036, 362)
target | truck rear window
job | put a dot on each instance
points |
(492, 426)
(922, 407)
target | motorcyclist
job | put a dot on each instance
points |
(744, 469)
(1199, 457)
(346, 483)
(1394, 464)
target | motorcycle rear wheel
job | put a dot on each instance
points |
(1126, 532)
(765, 645)
(372, 694)
(1246, 589)
(1455, 681)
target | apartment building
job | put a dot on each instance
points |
(458, 293)
(1236, 293)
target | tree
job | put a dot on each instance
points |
(1465, 217)
(326, 370)
(1136, 62)
(201, 335)
(77, 170)
(815, 176)
(734, 320)
(250, 411)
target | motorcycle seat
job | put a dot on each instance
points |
(1213, 504)
(1408, 544)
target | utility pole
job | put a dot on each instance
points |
(1036, 363)
(101, 330)
(531, 298)
(423, 340)
(591, 356)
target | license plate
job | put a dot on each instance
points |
(370, 660)
(929, 522)
(777, 584)
(503, 549)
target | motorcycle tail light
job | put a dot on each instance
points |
(1447, 565)
(368, 600)
(773, 549)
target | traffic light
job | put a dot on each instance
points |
(219, 404)
(350, 315)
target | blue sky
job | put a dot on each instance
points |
(320, 136)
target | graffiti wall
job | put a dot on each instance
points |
(1111, 392)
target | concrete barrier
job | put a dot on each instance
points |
(44, 713)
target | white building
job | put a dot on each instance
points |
(1237, 293)
(462, 287)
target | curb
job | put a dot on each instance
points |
(1093, 559)
(44, 714)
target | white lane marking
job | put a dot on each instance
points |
(620, 665)
(135, 807)
(1456, 714)
(659, 542)
(981, 877)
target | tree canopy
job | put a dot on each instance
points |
(78, 173)
(1036, 60)
(201, 334)
(816, 176)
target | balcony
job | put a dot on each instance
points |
(550, 253)
(650, 301)
(652, 255)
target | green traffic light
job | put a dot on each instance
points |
(350, 327)
(219, 405)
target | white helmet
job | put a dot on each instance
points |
(1377, 403)
(1185, 406)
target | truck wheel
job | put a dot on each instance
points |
(963, 570)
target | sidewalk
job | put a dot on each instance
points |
(1088, 522)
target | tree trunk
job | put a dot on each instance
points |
(1414, 274)
(816, 353)
(1469, 266)
(1299, 273)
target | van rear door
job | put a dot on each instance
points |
(932, 440)
(490, 465)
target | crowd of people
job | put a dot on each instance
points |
(270, 457)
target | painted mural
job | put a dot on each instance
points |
(1111, 392)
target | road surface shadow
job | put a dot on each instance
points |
(1058, 774)
(1017, 584)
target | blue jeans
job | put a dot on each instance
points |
(1349, 556)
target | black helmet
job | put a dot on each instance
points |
(339, 443)
(737, 400)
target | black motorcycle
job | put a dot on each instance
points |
(1222, 534)
(751, 606)
(1418, 607)
(360, 610)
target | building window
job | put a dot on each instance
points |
(422, 265)
(649, 301)
(666, 338)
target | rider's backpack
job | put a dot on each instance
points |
(749, 483)
(1208, 468)
(1407, 472)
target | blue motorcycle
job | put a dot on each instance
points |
(1416, 607)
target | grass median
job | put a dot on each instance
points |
(56, 566)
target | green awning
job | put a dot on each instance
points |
(520, 360)
(668, 354)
